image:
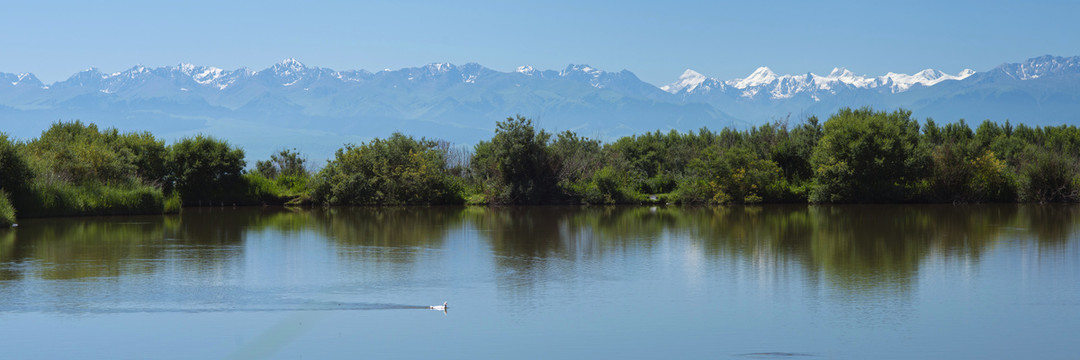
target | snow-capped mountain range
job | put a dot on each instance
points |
(292, 104)
(764, 80)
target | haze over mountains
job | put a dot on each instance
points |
(317, 109)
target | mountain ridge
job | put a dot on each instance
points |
(461, 103)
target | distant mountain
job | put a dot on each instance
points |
(317, 109)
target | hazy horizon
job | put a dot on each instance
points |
(55, 39)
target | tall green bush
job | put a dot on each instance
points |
(15, 172)
(734, 175)
(514, 165)
(867, 156)
(205, 170)
(1049, 176)
(395, 171)
(79, 153)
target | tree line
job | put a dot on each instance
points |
(855, 156)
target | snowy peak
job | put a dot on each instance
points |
(287, 72)
(844, 76)
(839, 72)
(572, 70)
(439, 68)
(185, 68)
(289, 65)
(764, 80)
(132, 73)
(442, 72)
(927, 77)
(762, 76)
(1035, 68)
(207, 75)
(21, 80)
(761, 84)
(525, 69)
(595, 77)
(688, 81)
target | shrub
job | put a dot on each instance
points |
(284, 163)
(203, 168)
(1048, 176)
(78, 153)
(15, 173)
(173, 204)
(515, 163)
(396, 171)
(7, 212)
(991, 179)
(867, 156)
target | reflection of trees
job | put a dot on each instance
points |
(532, 244)
(205, 240)
(75, 248)
(1052, 225)
(526, 232)
(856, 247)
(202, 239)
(538, 244)
(387, 226)
(569, 232)
(372, 236)
(7, 255)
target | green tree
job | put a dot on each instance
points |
(78, 153)
(736, 175)
(792, 154)
(15, 177)
(573, 161)
(203, 168)
(514, 165)
(1048, 176)
(146, 154)
(395, 171)
(15, 173)
(991, 179)
(867, 156)
(285, 163)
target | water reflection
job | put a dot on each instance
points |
(76, 248)
(872, 281)
(851, 247)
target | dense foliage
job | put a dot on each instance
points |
(76, 169)
(205, 169)
(395, 171)
(867, 156)
(856, 155)
(15, 173)
(514, 167)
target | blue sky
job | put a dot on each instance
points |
(656, 40)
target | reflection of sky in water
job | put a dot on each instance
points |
(834, 282)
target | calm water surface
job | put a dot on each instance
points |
(845, 282)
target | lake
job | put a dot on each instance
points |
(776, 281)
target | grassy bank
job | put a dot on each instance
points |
(60, 199)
